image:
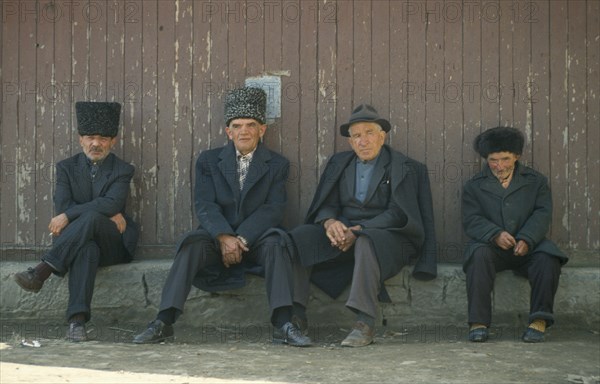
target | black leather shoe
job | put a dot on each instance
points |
(301, 323)
(478, 335)
(29, 281)
(156, 332)
(76, 332)
(290, 334)
(532, 336)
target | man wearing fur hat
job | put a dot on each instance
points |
(239, 198)
(91, 228)
(371, 215)
(507, 209)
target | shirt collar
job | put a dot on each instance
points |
(247, 156)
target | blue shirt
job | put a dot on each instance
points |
(364, 172)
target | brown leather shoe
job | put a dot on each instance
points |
(29, 281)
(360, 336)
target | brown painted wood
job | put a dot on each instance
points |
(559, 122)
(440, 71)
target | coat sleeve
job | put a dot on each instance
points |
(209, 213)
(426, 266)
(537, 224)
(270, 213)
(475, 223)
(109, 204)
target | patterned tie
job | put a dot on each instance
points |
(243, 165)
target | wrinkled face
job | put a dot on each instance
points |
(245, 134)
(502, 164)
(96, 147)
(366, 139)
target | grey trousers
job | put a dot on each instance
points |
(365, 278)
(284, 277)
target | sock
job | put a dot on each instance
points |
(369, 320)
(300, 310)
(43, 271)
(77, 318)
(538, 325)
(477, 326)
(167, 316)
(281, 316)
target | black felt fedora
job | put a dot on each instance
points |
(362, 113)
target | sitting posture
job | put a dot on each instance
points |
(506, 210)
(91, 228)
(371, 215)
(239, 199)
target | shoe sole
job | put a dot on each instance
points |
(282, 342)
(167, 339)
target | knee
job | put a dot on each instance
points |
(92, 252)
(547, 263)
(91, 217)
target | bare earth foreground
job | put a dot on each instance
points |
(432, 354)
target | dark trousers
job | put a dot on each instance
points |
(281, 273)
(89, 242)
(542, 271)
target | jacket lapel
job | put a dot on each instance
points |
(228, 167)
(83, 177)
(350, 176)
(103, 175)
(378, 173)
(258, 168)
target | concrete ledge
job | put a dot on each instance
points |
(131, 293)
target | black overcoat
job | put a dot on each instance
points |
(75, 195)
(524, 210)
(221, 208)
(410, 196)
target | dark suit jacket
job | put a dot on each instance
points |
(75, 194)
(524, 210)
(408, 217)
(220, 205)
(222, 208)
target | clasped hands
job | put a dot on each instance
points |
(339, 234)
(506, 241)
(231, 249)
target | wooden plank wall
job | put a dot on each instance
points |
(441, 71)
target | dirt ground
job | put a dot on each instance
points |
(411, 354)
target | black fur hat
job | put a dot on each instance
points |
(499, 139)
(247, 102)
(98, 118)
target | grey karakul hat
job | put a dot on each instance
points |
(499, 139)
(247, 102)
(98, 118)
(364, 112)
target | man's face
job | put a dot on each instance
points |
(245, 134)
(502, 164)
(96, 147)
(366, 139)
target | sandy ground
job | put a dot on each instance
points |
(432, 354)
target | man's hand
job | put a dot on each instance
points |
(57, 224)
(350, 238)
(505, 240)
(119, 220)
(231, 249)
(336, 232)
(521, 249)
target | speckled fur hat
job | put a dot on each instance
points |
(98, 118)
(499, 139)
(247, 102)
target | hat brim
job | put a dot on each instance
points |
(345, 128)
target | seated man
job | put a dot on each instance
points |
(506, 210)
(239, 197)
(91, 228)
(371, 215)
